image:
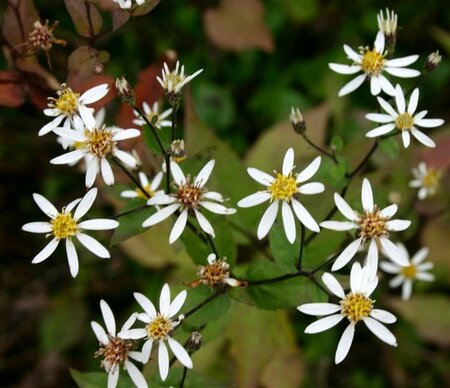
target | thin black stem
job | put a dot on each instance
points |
(168, 173)
(318, 284)
(152, 128)
(302, 245)
(321, 150)
(274, 280)
(87, 6)
(135, 210)
(324, 264)
(119, 164)
(363, 162)
(210, 298)
(212, 245)
(183, 377)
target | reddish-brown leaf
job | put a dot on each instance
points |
(18, 20)
(145, 8)
(120, 17)
(238, 25)
(81, 12)
(12, 89)
(85, 62)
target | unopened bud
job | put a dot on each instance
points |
(433, 61)
(125, 91)
(388, 25)
(194, 342)
(177, 150)
(297, 121)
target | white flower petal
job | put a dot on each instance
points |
(51, 125)
(91, 170)
(390, 267)
(402, 72)
(427, 277)
(178, 227)
(379, 117)
(98, 224)
(38, 227)
(309, 170)
(395, 282)
(93, 245)
(318, 309)
(428, 123)
(344, 69)
(406, 138)
(333, 285)
(146, 350)
(204, 173)
(383, 316)
(380, 331)
(311, 188)
(72, 257)
(375, 86)
(164, 300)
(351, 54)
(400, 99)
(134, 334)
(85, 204)
(393, 252)
(177, 303)
(108, 318)
(420, 256)
(386, 85)
(424, 139)
(87, 116)
(177, 174)
(356, 278)
(413, 101)
(267, 220)
(254, 199)
(161, 199)
(288, 222)
(204, 223)
(402, 62)
(71, 205)
(304, 216)
(146, 304)
(338, 225)
(180, 353)
(129, 322)
(213, 196)
(372, 258)
(288, 162)
(324, 324)
(46, 252)
(125, 134)
(68, 158)
(125, 158)
(389, 211)
(367, 196)
(135, 375)
(161, 215)
(344, 207)
(217, 208)
(107, 173)
(346, 255)
(94, 94)
(344, 343)
(100, 333)
(397, 225)
(387, 107)
(407, 289)
(260, 176)
(381, 130)
(379, 42)
(70, 134)
(354, 84)
(163, 360)
(113, 377)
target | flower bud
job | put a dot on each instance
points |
(125, 91)
(177, 150)
(297, 121)
(433, 61)
(194, 342)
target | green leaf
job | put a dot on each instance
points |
(99, 379)
(390, 147)
(338, 143)
(283, 294)
(211, 311)
(193, 380)
(284, 253)
(164, 137)
(131, 224)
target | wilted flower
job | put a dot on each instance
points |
(427, 179)
(41, 36)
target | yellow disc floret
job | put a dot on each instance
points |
(159, 328)
(372, 224)
(67, 101)
(356, 306)
(372, 62)
(409, 271)
(64, 226)
(100, 142)
(431, 180)
(404, 121)
(284, 187)
(115, 352)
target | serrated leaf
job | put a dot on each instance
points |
(284, 253)
(81, 12)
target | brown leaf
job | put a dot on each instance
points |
(145, 8)
(238, 25)
(120, 17)
(40, 76)
(18, 20)
(81, 12)
(12, 89)
(84, 62)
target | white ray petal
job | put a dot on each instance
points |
(288, 162)
(107, 173)
(177, 174)
(125, 158)
(354, 84)
(87, 116)
(108, 318)
(338, 225)
(379, 42)
(402, 72)
(177, 303)
(393, 252)
(406, 138)
(372, 258)
(379, 117)
(375, 86)
(204, 223)
(267, 220)
(260, 176)
(344, 69)
(311, 188)
(427, 277)
(324, 324)
(288, 222)
(93, 245)
(420, 256)
(178, 227)
(421, 137)
(389, 211)
(318, 309)
(387, 107)
(100, 333)
(383, 316)
(38, 227)
(163, 360)
(204, 173)
(94, 94)
(146, 350)
(397, 225)
(380, 331)
(333, 285)
(413, 101)
(69, 157)
(91, 171)
(402, 62)
(428, 123)
(180, 353)
(85, 204)
(351, 54)
(304, 216)
(367, 196)
(125, 134)
(346, 255)
(70, 134)
(386, 85)
(98, 224)
(135, 374)
(344, 343)
(390, 267)
(164, 300)
(146, 304)
(254, 199)
(161, 215)
(400, 99)
(381, 130)
(46, 252)
(161, 199)
(217, 208)
(344, 207)
(72, 257)
(396, 281)
(309, 170)
(407, 289)
(51, 125)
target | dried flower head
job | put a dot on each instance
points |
(217, 272)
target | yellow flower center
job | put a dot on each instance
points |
(100, 142)
(404, 121)
(67, 101)
(284, 187)
(115, 353)
(431, 180)
(64, 226)
(372, 224)
(372, 61)
(148, 192)
(356, 306)
(410, 271)
(159, 328)
(174, 78)
(190, 195)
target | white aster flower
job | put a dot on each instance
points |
(356, 306)
(126, 4)
(188, 199)
(158, 329)
(215, 273)
(407, 274)
(285, 190)
(373, 63)
(389, 24)
(173, 81)
(426, 179)
(95, 146)
(373, 224)
(403, 119)
(152, 114)
(64, 226)
(70, 108)
(151, 189)
(117, 351)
